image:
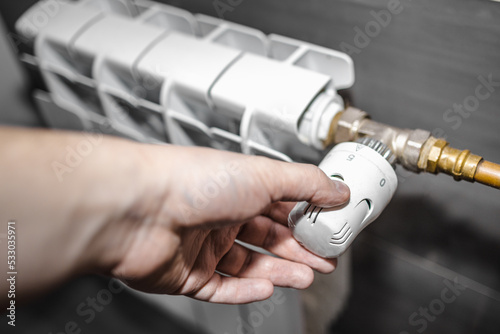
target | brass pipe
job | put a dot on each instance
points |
(488, 173)
(438, 157)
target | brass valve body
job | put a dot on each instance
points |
(415, 150)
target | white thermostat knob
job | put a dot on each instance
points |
(367, 167)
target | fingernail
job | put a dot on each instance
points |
(341, 187)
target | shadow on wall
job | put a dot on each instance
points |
(416, 270)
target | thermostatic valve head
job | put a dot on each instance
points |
(367, 168)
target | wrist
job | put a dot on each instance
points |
(121, 194)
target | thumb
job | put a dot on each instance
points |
(300, 182)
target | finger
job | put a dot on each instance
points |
(245, 263)
(300, 182)
(278, 239)
(233, 290)
(279, 211)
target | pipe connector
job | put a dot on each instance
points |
(438, 157)
(353, 124)
(415, 150)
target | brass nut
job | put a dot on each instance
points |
(348, 125)
(434, 155)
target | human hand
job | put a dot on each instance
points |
(179, 235)
(164, 219)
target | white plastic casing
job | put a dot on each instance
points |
(159, 74)
(372, 181)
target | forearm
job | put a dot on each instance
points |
(54, 186)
